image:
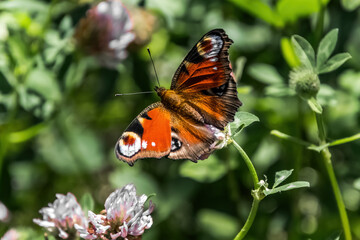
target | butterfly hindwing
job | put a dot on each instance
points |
(147, 136)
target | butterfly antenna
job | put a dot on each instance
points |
(153, 66)
(135, 93)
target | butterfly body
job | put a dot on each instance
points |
(187, 122)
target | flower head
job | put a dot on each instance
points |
(12, 234)
(4, 213)
(60, 217)
(106, 31)
(305, 82)
(126, 214)
(124, 217)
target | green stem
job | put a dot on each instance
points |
(244, 230)
(326, 156)
(290, 138)
(249, 221)
(345, 140)
(248, 163)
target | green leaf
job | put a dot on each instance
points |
(260, 10)
(265, 73)
(44, 82)
(87, 203)
(279, 90)
(217, 224)
(282, 176)
(326, 47)
(289, 53)
(304, 51)
(350, 5)
(287, 187)
(241, 121)
(314, 105)
(334, 62)
(349, 80)
(207, 171)
(24, 5)
(291, 10)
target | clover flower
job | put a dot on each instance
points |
(60, 217)
(124, 217)
(4, 213)
(11, 234)
(106, 31)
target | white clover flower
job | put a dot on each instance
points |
(97, 226)
(4, 213)
(60, 217)
(106, 31)
(12, 234)
(125, 212)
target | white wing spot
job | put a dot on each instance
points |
(144, 144)
(217, 44)
(214, 59)
(153, 144)
(215, 68)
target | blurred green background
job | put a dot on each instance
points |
(59, 119)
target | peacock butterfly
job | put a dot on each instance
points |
(201, 101)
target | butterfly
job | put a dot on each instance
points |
(187, 121)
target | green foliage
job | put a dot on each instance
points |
(279, 178)
(59, 119)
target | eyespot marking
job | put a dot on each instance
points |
(175, 144)
(129, 144)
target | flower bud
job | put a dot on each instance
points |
(305, 82)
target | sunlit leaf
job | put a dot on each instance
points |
(242, 120)
(265, 73)
(334, 62)
(289, 53)
(281, 176)
(287, 187)
(260, 10)
(304, 51)
(24, 5)
(326, 47)
(314, 105)
(291, 10)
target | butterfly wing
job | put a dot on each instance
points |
(147, 136)
(205, 80)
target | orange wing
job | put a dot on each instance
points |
(147, 136)
(156, 132)
(205, 79)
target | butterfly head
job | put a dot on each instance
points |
(160, 91)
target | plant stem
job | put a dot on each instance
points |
(326, 156)
(345, 140)
(250, 219)
(248, 163)
(290, 138)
